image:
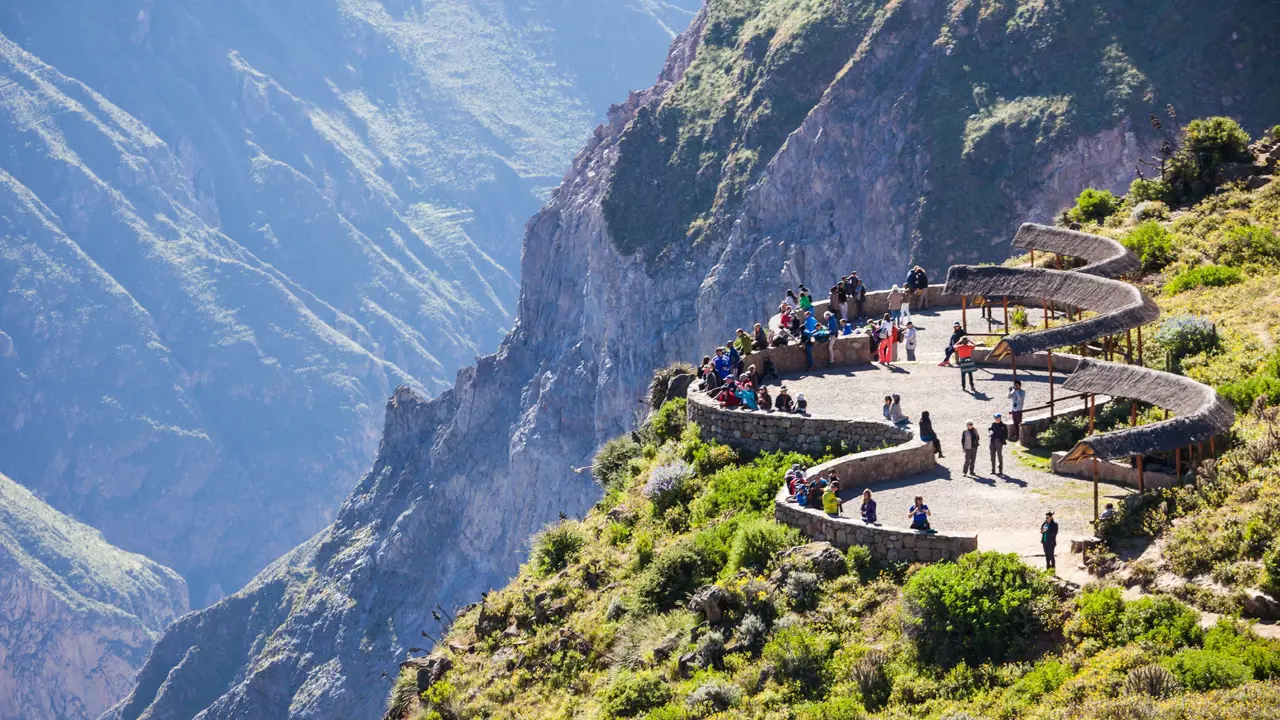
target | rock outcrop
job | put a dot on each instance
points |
(77, 616)
(461, 481)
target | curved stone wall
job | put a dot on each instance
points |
(758, 431)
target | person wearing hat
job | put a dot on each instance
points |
(783, 401)
(964, 360)
(859, 292)
(909, 341)
(957, 332)
(998, 435)
(895, 304)
(969, 443)
(1049, 539)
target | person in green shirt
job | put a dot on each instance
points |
(831, 502)
(743, 343)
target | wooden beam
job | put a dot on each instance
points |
(1142, 486)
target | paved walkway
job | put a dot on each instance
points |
(1005, 510)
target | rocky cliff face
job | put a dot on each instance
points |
(77, 616)
(229, 230)
(461, 481)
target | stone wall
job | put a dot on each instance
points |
(877, 303)
(886, 544)
(758, 431)
(1113, 472)
(852, 349)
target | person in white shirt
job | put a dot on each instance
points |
(1017, 399)
(909, 341)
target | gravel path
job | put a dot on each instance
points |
(1006, 510)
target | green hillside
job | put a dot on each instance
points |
(598, 624)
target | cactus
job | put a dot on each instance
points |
(1151, 680)
(872, 680)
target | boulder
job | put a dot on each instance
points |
(825, 559)
(710, 601)
(1260, 605)
(430, 669)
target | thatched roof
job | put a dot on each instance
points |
(1119, 305)
(1200, 413)
(1106, 257)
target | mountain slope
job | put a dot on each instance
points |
(461, 482)
(230, 229)
(77, 616)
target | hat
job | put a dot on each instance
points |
(956, 324)
(912, 324)
(968, 422)
(1048, 512)
(998, 415)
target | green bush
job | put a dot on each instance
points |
(669, 421)
(669, 485)
(1043, 679)
(746, 488)
(984, 606)
(1152, 681)
(1271, 571)
(642, 551)
(556, 546)
(1098, 615)
(756, 542)
(1161, 620)
(1142, 190)
(872, 679)
(1185, 335)
(611, 467)
(860, 561)
(1245, 392)
(1203, 276)
(1093, 206)
(1152, 244)
(673, 576)
(633, 693)
(708, 458)
(1216, 140)
(1063, 433)
(800, 657)
(1018, 318)
(801, 590)
(1231, 637)
(1249, 244)
(1205, 670)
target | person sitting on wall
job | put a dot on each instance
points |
(784, 315)
(711, 381)
(896, 416)
(770, 371)
(806, 302)
(783, 402)
(747, 394)
(743, 343)
(760, 341)
(722, 364)
(791, 300)
(752, 376)
(802, 405)
(920, 514)
(728, 395)
(831, 502)
(781, 338)
(794, 477)
(868, 509)
(957, 332)
(763, 400)
(810, 323)
(925, 428)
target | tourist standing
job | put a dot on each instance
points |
(964, 359)
(1017, 399)
(969, 443)
(1049, 540)
(895, 303)
(909, 341)
(833, 332)
(997, 436)
(922, 287)
(760, 341)
(831, 502)
(859, 296)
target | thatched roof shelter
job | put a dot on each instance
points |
(1119, 305)
(1106, 257)
(1199, 412)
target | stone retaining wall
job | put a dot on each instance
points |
(886, 544)
(877, 304)
(852, 349)
(758, 431)
(1111, 472)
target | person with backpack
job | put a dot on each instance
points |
(969, 443)
(997, 436)
(1049, 540)
(964, 359)
(889, 336)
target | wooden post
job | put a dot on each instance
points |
(1212, 452)
(1177, 463)
(1093, 406)
(1050, 353)
(1133, 413)
(1033, 257)
(1006, 314)
(1128, 347)
(1046, 313)
(1142, 486)
(1095, 491)
(1057, 259)
(1140, 345)
(964, 312)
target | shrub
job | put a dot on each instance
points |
(751, 632)
(1152, 681)
(714, 696)
(616, 610)
(672, 577)
(662, 380)
(1043, 679)
(632, 693)
(556, 546)
(1143, 190)
(1093, 206)
(1063, 433)
(1149, 210)
(1160, 620)
(710, 458)
(873, 682)
(1271, 571)
(983, 606)
(802, 590)
(611, 467)
(710, 651)
(1249, 244)
(1231, 637)
(1152, 244)
(1245, 392)
(1185, 335)
(1018, 318)
(756, 542)
(669, 421)
(1216, 140)
(1204, 670)
(668, 485)
(800, 657)
(860, 561)
(642, 551)
(1098, 615)
(1203, 276)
